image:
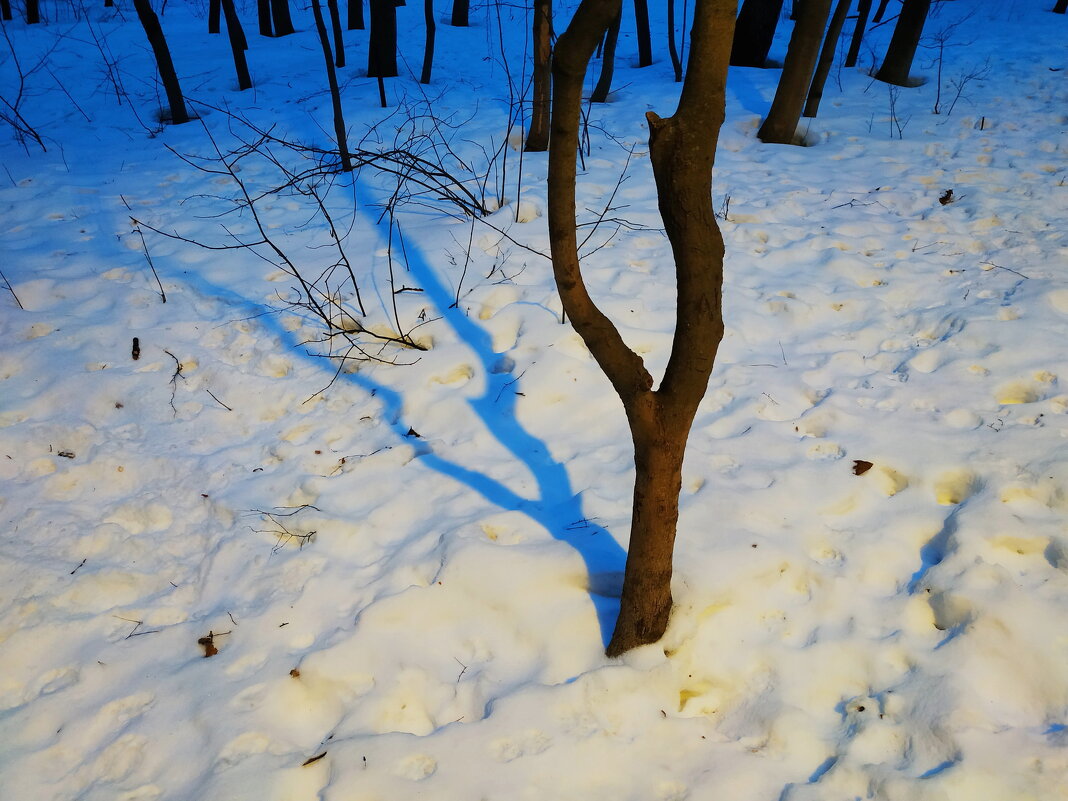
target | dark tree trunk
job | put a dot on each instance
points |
(33, 12)
(880, 11)
(5, 9)
(107, 4)
(283, 23)
(355, 15)
(263, 13)
(335, 92)
(214, 8)
(781, 123)
(903, 43)
(335, 24)
(460, 12)
(150, 22)
(608, 60)
(673, 50)
(754, 32)
(238, 43)
(382, 47)
(641, 30)
(428, 48)
(863, 10)
(823, 66)
(1060, 8)
(682, 151)
(538, 137)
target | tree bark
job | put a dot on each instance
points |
(641, 30)
(263, 15)
(5, 9)
(880, 11)
(863, 10)
(355, 15)
(335, 25)
(682, 151)
(382, 47)
(167, 74)
(461, 10)
(823, 66)
(335, 92)
(781, 123)
(754, 32)
(283, 22)
(903, 43)
(428, 48)
(608, 60)
(238, 44)
(673, 50)
(33, 12)
(538, 137)
(214, 9)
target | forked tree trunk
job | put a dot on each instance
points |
(781, 123)
(150, 22)
(823, 66)
(538, 137)
(641, 30)
(754, 32)
(682, 150)
(608, 60)
(903, 43)
(863, 10)
(428, 47)
(238, 44)
(335, 92)
(355, 15)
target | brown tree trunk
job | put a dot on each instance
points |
(903, 43)
(781, 123)
(673, 50)
(150, 22)
(608, 60)
(863, 10)
(335, 92)
(238, 44)
(823, 66)
(538, 137)
(682, 150)
(754, 32)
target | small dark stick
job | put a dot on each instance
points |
(135, 352)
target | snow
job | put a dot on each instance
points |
(408, 572)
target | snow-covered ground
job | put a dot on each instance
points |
(409, 572)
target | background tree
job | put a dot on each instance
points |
(754, 32)
(283, 22)
(335, 26)
(823, 65)
(538, 137)
(673, 50)
(214, 13)
(263, 16)
(461, 10)
(238, 44)
(382, 44)
(682, 150)
(1060, 8)
(608, 60)
(903, 43)
(355, 15)
(863, 10)
(154, 31)
(641, 31)
(780, 125)
(33, 12)
(428, 47)
(335, 92)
